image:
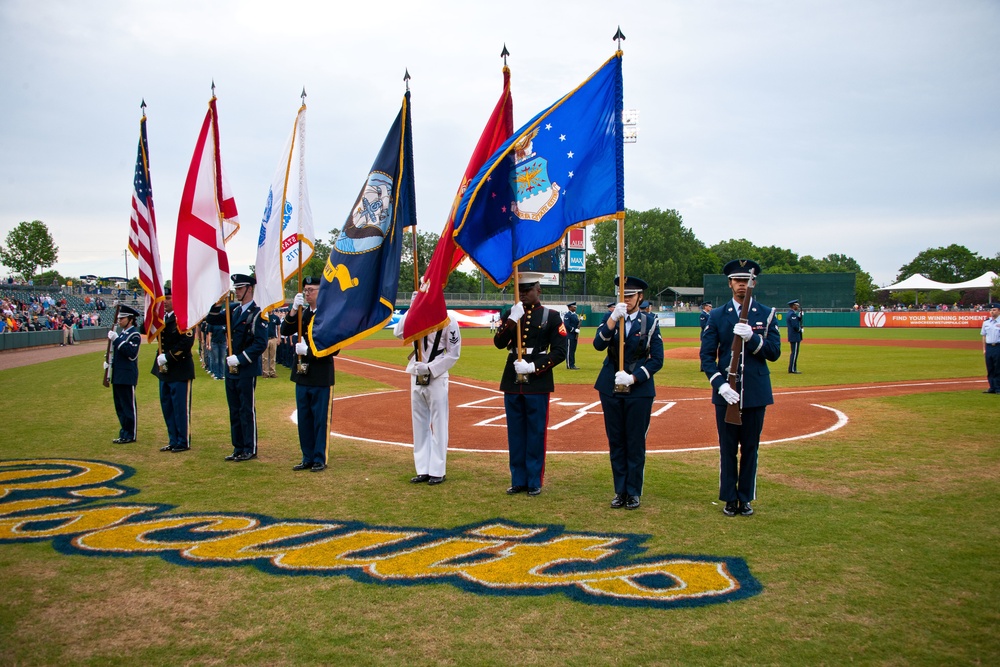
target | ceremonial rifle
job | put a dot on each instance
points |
(107, 355)
(736, 362)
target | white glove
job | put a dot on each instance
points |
(397, 328)
(105, 365)
(728, 393)
(517, 312)
(621, 310)
(112, 335)
(233, 361)
(413, 297)
(161, 360)
(743, 330)
(624, 378)
(298, 302)
(524, 367)
(302, 348)
(420, 368)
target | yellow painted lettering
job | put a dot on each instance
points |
(134, 537)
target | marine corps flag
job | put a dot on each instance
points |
(206, 220)
(143, 242)
(429, 312)
(564, 169)
(287, 224)
(358, 291)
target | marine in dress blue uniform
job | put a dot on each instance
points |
(314, 379)
(762, 343)
(543, 344)
(990, 331)
(793, 321)
(626, 415)
(125, 372)
(249, 339)
(706, 309)
(572, 322)
(174, 366)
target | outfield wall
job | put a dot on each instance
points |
(876, 320)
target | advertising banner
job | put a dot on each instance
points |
(955, 319)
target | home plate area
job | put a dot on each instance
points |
(682, 419)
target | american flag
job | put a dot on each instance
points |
(142, 240)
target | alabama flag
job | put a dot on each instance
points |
(207, 219)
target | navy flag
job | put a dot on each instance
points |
(564, 169)
(358, 291)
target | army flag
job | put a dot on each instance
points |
(357, 292)
(287, 221)
(143, 242)
(564, 169)
(429, 312)
(206, 220)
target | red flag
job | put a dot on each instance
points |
(142, 239)
(207, 219)
(428, 312)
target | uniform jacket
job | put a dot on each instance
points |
(248, 333)
(543, 341)
(448, 350)
(124, 357)
(572, 322)
(643, 355)
(763, 346)
(320, 373)
(177, 346)
(703, 321)
(794, 324)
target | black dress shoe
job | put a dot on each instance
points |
(242, 457)
(179, 448)
(795, 372)
(534, 491)
(167, 448)
(988, 391)
(232, 457)
(745, 509)
(123, 441)
(517, 488)
(419, 479)
(318, 467)
(303, 466)
(618, 501)
(433, 480)
(731, 508)
(632, 503)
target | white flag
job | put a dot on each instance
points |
(287, 220)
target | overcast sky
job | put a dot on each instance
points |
(869, 128)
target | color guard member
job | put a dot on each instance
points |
(572, 322)
(526, 402)
(794, 324)
(125, 372)
(174, 367)
(761, 343)
(990, 331)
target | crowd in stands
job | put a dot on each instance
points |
(42, 311)
(925, 308)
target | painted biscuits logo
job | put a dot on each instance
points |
(67, 502)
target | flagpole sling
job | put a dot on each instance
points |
(107, 354)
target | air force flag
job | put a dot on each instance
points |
(563, 169)
(358, 291)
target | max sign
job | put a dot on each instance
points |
(78, 506)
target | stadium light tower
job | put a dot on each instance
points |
(630, 123)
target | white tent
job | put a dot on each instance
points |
(921, 282)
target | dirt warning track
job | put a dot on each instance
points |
(682, 420)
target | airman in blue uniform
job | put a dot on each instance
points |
(990, 331)
(174, 366)
(706, 308)
(572, 322)
(627, 394)
(125, 372)
(526, 404)
(248, 334)
(793, 321)
(752, 390)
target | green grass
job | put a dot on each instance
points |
(875, 544)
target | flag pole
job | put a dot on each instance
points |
(159, 341)
(298, 232)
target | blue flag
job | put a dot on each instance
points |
(564, 169)
(357, 293)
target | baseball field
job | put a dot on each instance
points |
(874, 541)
